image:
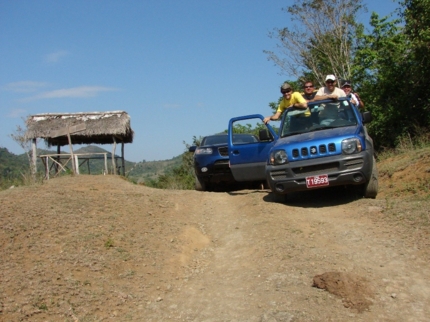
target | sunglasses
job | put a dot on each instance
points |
(330, 82)
(309, 86)
(286, 91)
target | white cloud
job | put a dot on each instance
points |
(24, 86)
(56, 56)
(75, 92)
(17, 113)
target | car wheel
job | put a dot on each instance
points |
(200, 184)
(371, 187)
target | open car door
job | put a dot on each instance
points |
(248, 159)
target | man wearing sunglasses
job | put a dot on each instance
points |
(329, 91)
(290, 99)
(309, 91)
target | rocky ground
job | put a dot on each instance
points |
(98, 248)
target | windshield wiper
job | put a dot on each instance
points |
(293, 133)
(322, 128)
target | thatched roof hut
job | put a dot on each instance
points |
(110, 127)
(101, 127)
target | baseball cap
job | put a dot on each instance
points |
(285, 87)
(346, 82)
(330, 77)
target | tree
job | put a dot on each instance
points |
(391, 64)
(322, 41)
(416, 16)
(20, 137)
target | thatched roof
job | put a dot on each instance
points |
(100, 127)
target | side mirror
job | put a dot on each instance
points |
(265, 135)
(192, 148)
(367, 117)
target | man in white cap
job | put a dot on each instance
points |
(329, 91)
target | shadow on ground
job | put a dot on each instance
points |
(318, 198)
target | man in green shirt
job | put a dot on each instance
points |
(290, 99)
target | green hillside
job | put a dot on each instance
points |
(150, 170)
(13, 167)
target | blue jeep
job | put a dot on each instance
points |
(325, 145)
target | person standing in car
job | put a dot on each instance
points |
(290, 99)
(329, 91)
(309, 91)
(355, 98)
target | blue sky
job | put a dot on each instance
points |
(178, 68)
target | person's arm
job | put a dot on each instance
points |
(300, 102)
(321, 95)
(325, 97)
(274, 117)
(360, 102)
(354, 100)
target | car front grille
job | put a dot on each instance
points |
(223, 151)
(322, 149)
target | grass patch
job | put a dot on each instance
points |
(109, 243)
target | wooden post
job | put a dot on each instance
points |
(106, 168)
(34, 156)
(57, 168)
(77, 164)
(47, 168)
(113, 155)
(71, 151)
(122, 157)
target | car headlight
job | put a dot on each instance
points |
(203, 151)
(278, 157)
(350, 146)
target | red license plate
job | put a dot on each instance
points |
(317, 181)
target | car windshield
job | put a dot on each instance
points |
(319, 116)
(214, 140)
(222, 139)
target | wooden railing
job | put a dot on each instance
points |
(59, 162)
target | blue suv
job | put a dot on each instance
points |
(325, 145)
(211, 161)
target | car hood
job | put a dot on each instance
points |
(319, 135)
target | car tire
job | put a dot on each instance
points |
(200, 184)
(370, 189)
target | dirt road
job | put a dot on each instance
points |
(98, 248)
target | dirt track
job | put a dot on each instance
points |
(98, 248)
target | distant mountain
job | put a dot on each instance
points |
(12, 165)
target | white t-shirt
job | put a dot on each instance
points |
(355, 99)
(325, 91)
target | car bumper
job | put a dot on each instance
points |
(341, 170)
(219, 171)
